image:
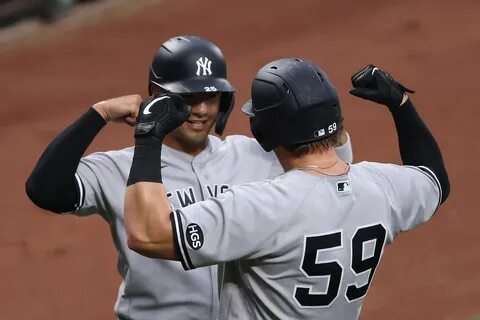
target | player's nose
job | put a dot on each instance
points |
(200, 109)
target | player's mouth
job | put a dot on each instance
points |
(197, 125)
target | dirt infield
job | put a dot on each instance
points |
(64, 267)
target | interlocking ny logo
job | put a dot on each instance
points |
(203, 66)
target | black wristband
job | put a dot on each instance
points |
(146, 163)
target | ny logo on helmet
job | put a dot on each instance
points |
(203, 66)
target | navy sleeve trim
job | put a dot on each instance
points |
(432, 176)
(81, 192)
(179, 240)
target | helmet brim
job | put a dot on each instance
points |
(197, 85)
(247, 109)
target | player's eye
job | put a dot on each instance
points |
(193, 99)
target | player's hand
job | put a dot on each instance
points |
(160, 114)
(120, 109)
(374, 84)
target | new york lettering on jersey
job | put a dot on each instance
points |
(186, 196)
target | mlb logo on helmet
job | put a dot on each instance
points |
(319, 133)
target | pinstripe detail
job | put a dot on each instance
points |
(179, 239)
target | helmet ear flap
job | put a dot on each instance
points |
(227, 101)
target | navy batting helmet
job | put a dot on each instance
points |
(190, 64)
(293, 102)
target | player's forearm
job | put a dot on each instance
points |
(52, 185)
(147, 220)
(147, 210)
(417, 145)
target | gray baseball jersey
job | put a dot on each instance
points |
(303, 246)
(158, 289)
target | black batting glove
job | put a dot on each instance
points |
(374, 84)
(160, 114)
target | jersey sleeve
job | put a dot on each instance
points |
(236, 225)
(100, 177)
(414, 194)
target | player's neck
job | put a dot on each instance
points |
(188, 148)
(327, 163)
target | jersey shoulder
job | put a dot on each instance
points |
(279, 189)
(111, 159)
(278, 199)
(396, 177)
(378, 173)
(112, 155)
(384, 170)
(244, 143)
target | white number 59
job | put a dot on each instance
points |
(332, 127)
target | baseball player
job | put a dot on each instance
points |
(306, 244)
(196, 166)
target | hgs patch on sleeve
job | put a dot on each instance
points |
(194, 235)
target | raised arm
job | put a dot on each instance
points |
(147, 210)
(417, 145)
(52, 184)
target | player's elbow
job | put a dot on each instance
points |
(138, 241)
(148, 233)
(135, 244)
(445, 185)
(156, 243)
(31, 190)
(151, 250)
(48, 197)
(442, 177)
